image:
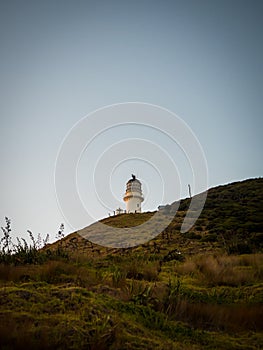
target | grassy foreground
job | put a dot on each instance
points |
(199, 290)
(128, 302)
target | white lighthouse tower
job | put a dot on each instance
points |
(133, 196)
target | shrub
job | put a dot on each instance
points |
(173, 255)
(210, 237)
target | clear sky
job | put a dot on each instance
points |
(61, 60)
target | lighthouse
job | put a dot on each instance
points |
(133, 196)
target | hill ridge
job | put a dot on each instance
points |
(232, 212)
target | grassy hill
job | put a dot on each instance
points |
(232, 219)
(197, 290)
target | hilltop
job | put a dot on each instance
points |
(200, 289)
(231, 220)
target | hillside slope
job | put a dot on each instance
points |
(178, 291)
(232, 219)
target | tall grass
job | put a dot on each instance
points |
(22, 252)
(220, 317)
(224, 270)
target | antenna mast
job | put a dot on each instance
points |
(189, 189)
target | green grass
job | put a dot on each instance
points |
(199, 290)
(76, 305)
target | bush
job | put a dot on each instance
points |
(192, 235)
(173, 255)
(210, 237)
(21, 253)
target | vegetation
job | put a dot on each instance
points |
(197, 290)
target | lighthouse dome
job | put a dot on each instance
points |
(133, 179)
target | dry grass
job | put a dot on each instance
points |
(53, 272)
(224, 270)
(17, 273)
(209, 292)
(221, 317)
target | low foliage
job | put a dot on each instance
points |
(200, 290)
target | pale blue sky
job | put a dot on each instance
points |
(60, 60)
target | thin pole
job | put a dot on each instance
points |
(189, 189)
